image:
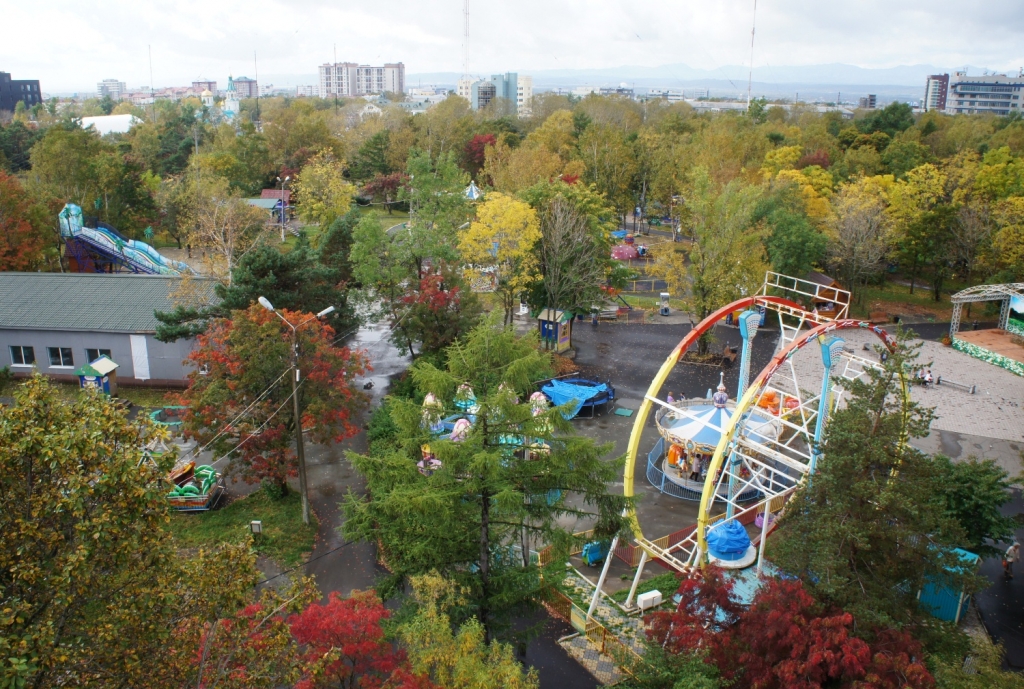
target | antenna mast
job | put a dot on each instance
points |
(750, 75)
(465, 40)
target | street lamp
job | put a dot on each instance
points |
(283, 204)
(300, 450)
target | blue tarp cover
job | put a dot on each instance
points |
(729, 539)
(561, 393)
(619, 234)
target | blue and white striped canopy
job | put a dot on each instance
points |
(705, 423)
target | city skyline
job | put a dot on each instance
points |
(209, 41)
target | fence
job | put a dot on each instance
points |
(656, 477)
(645, 286)
(562, 607)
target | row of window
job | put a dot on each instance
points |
(984, 87)
(59, 356)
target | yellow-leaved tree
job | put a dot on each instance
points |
(501, 240)
(323, 193)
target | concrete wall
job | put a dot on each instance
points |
(165, 359)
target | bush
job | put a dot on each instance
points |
(274, 490)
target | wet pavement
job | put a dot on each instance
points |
(1001, 605)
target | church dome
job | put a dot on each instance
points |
(206, 93)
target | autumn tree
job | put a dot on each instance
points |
(322, 192)
(724, 258)
(477, 517)
(92, 588)
(857, 228)
(783, 639)
(239, 400)
(224, 227)
(385, 188)
(511, 170)
(344, 645)
(21, 242)
(502, 238)
(459, 658)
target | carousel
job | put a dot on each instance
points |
(690, 431)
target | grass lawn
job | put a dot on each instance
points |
(667, 583)
(285, 539)
(895, 299)
(140, 397)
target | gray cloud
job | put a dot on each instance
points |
(71, 45)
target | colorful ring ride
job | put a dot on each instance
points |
(744, 459)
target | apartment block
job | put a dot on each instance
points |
(14, 90)
(111, 87)
(246, 87)
(351, 79)
(935, 89)
(993, 93)
(200, 86)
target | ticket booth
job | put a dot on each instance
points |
(101, 373)
(555, 329)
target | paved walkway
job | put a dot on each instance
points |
(994, 411)
(628, 630)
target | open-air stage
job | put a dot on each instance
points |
(999, 341)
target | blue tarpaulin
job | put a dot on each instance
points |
(619, 234)
(729, 541)
(561, 393)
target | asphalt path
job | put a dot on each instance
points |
(1001, 605)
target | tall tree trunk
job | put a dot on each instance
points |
(485, 562)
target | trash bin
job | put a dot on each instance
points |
(664, 304)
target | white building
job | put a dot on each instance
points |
(524, 98)
(307, 91)
(111, 87)
(465, 87)
(350, 79)
(993, 93)
(111, 124)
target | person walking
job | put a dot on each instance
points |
(1012, 555)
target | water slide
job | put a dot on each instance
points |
(108, 243)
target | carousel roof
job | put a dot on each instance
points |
(705, 423)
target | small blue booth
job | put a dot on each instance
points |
(946, 603)
(101, 373)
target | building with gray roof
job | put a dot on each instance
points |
(56, 322)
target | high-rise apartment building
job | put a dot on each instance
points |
(524, 96)
(200, 86)
(935, 89)
(868, 102)
(246, 87)
(351, 79)
(14, 90)
(111, 87)
(994, 93)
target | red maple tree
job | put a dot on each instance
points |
(386, 188)
(345, 646)
(784, 639)
(21, 246)
(239, 394)
(476, 151)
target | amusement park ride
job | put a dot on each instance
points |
(757, 448)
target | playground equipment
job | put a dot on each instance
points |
(771, 440)
(102, 249)
(584, 393)
(196, 488)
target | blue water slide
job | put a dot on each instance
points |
(107, 240)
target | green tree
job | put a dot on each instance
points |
(794, 246)
(516, 481)
(16, 141)
(372, 158)
(322, 190)
(871, 524)
(297, 281)
(892, 119)
(758, 110)
(974, 492)
(902, 156)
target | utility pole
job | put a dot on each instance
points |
(257, 68)
(300, 450)
(283, 204)
(750, 75)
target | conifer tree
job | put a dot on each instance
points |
(493, 498)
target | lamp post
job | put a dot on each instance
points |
(283, 204)
(300, 450)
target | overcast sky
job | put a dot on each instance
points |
(70, 44)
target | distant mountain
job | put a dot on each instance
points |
(836, 74)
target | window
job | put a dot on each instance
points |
(92, 355)
(60, 357)
(22, 356)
